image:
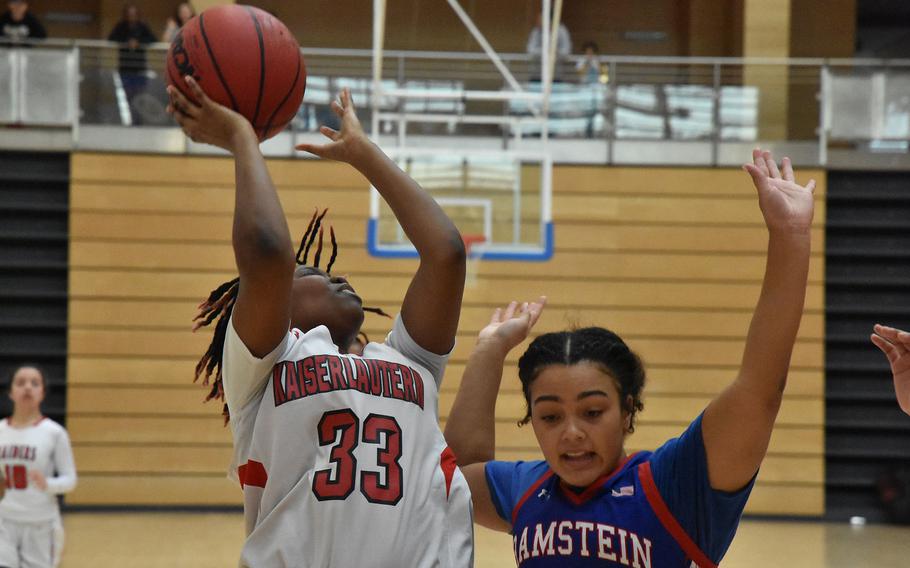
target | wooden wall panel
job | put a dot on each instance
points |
(671, 258)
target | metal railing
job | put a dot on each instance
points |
(712, 104)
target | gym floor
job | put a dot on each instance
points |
(203, 540)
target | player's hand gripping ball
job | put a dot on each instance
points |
(245, 59)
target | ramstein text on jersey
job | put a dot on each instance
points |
(293, 380)
(585, 539)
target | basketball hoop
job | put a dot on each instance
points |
(473, 253)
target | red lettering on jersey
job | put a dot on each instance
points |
(375, 378)
(300, 379)
(278, 390)
(335, 373)
(363, 376)
(407, 378)
(291, 385)
(293, 380)
(322, 373)
(348, 373)
(397, 376)
(253, 474)
(386, 377)
(418, 382)
(309, 376)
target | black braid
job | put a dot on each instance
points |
(318, 250)
(306, 251)
(328, 268)
(377, 311)
(220, 303)
(594, 344)
(306, 235)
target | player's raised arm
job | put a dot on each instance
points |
(262, 242)
(737, 424)
(471, 428)
(895, 344)
(432, 304)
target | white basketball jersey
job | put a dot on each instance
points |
(45, 447)
(340, 457)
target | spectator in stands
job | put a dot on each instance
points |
(563, 49)
(134, 35)
(182, 14)
(589, 69)
(17, 24)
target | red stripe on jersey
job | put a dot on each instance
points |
(668, 520)
(447, 464)
(252, 473)
(530, 492)
(591, 490)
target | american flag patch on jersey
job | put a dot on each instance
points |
(626, 491)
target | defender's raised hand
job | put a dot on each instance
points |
(345, 143)
(510, 326)
(207, 121)
(895, 344)
(785, 205)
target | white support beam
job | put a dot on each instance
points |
(471, 95)
(488, 49)
(546, 77)
(553, 56)
(379, 9)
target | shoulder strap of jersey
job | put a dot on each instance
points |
(543, 478)
(668, 520)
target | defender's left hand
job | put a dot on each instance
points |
(786, 206)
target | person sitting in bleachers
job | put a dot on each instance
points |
(17, 24)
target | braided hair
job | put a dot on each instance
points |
(220, 304)
(593, 344)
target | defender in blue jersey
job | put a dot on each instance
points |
(588, 502)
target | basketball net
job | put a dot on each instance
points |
(473, 253)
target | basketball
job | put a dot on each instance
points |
(245, 59)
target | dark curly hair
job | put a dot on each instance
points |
(594, 344)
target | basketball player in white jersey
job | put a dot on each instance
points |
(37, 463)
(340, 456)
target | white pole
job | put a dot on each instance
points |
(554, 45)
(488, 49)
(545, 68)
(378, 42)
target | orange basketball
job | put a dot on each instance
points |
(245, 59)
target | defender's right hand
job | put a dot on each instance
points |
(510, 326)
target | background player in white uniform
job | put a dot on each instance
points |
(37, 463)
(340, 457)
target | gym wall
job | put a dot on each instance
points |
(670, 258)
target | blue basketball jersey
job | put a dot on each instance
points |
(655, 510)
